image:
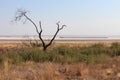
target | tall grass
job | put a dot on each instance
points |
(95, 53)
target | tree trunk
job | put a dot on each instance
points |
(22, 13)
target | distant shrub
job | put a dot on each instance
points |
(115, 45)
(115, 49)
(97, 45)
(96, 53)
(1, 58)
(13, 58)
(36, 44)
(31, 55)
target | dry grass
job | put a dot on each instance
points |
(56, 71)
(29, 70)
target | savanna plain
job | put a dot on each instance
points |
(61, 61)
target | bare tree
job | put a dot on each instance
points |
(23, 13)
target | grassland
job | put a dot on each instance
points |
(96, 61)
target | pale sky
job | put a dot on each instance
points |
(82, 17)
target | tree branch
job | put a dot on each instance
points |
(58, 29)
(52, 38)
(32, 23)
(40, 25)
(62, 27)
(40, 37)
(22, 13)
(59, 25)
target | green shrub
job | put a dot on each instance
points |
(14, 58)
(96, 53)
(36, 44)
(115, 49)
(115, 45)
(97, 45)
(1, 58)
(31, 55)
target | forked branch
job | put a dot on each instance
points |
(22, 13)
(58, 29)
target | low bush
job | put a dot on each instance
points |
(64, 54)
(13, 58)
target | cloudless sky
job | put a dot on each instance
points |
(82, 17)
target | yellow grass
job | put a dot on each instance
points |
(58, 71)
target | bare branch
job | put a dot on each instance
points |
(43, 43)
(19, 14)
(22, 13)
(62, 27)
(58, 29)
(40, 25)
(24, 21)
(58, 24)
(32, 23)
(40, 37)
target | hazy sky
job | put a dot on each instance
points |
(82, 17)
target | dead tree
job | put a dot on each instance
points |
(23, 13)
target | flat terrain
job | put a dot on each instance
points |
(108, 70)
(64, 41)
